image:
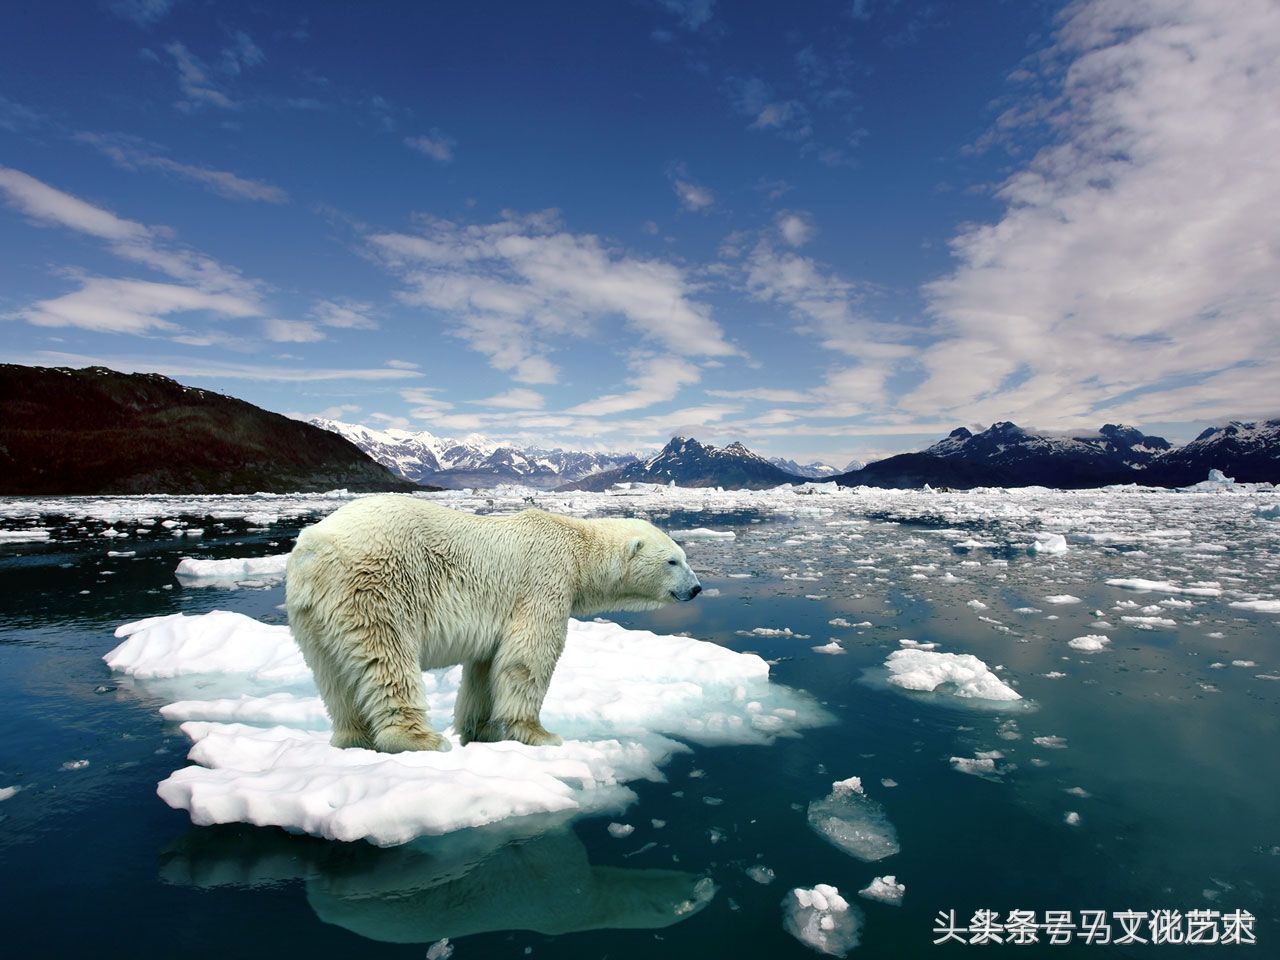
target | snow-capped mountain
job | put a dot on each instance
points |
(693, 464)
(1006, 455)
(815, 470)
(472, 461)
(1249, 452)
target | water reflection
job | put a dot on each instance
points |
(473, 881)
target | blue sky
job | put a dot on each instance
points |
(829, 230)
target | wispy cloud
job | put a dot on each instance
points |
(518, 398)
(653, 380)
(129, 154)
(510, 289)
(204, 85)
(131, 306)
(1137, 250)
(291, 331)
(795, 227)
(181, 367)
(692, 14)
(435, 145)
(693, 196)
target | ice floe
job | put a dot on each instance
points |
(197, 572)
(1091, 643)
(959, 674)
(886, 889)
(853, 822)
(625, 700)
(822, 919)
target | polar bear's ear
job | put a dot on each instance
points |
(634, 545)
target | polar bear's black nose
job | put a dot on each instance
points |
(697, 589)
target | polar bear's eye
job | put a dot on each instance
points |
(672, 562)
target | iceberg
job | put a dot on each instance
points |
(822, 919)
(853, 822)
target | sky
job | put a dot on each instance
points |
(830, 230)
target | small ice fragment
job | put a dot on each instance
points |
(975, 766)
(964, 675)
(832, 648)
(760, 874)
(7, 792)
(1072, 818)
(620, 830)
(1062, 598)
(1050, 543)
(1080, 792)
(1051, 743)
(885, 889)
(977, 604)
(440, 950)
(75, 764)
(701, 533)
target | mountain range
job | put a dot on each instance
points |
(472, 461)
(688, 463)
(98, 431)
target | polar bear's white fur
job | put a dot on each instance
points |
(389, 586)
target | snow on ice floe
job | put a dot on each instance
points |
(625, 700)
(1092, 643)
(822, 919)
(853, 822)
(886, 889)
(31, 535)
(1163, 586)
(228, 573)
(1258, 606)
(701, 533)
(959, 674)
(1061, 598)
(1049, 543)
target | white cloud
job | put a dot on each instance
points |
(196, 81)
(345, 314)
(756, 99)
(131, 156)
(291, 331)
(131, 306)
(510, 289)
(653, 380)
(795, 227)
(1139, 249)
(436, 146)
(693, 196)
(519, 398)
(151, 246)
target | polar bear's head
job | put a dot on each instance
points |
(651, 569)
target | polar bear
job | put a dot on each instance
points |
(388, 586)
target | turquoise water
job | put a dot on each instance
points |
(1175, 754)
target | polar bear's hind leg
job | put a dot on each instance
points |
(389, 694)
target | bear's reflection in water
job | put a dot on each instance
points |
(474, 881)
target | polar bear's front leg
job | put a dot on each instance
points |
(521, 673)
(474, 706)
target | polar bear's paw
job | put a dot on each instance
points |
(395, 740)
(529, 732)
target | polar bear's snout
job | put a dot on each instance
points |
(689, 587)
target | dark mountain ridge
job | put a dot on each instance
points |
(98, 431)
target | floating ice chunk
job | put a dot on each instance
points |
(975, 766)
(853, 822)
(440, 950)
(198, 572)
(1072, 819)
(977, 604)
(886, 889)
(1062, 598)
(1051, 743)
(1080, 792)
(7, 792)
(1244, 663)
(760, 874)
(1259, 606)
(839, 622)
(35, 535)
(1271, 512)
(1092, 643)
(1149, 623)
(620, 693)
(772, 632)
(1164, 586)
(822, 919)
(916, 644)
(960, 674)
(1050, 543)
(832, 648)
(75, 764)
(701, 533)
(620, 830)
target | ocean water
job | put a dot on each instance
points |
(1163, 742)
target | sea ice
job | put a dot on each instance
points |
(1093, 643)
(975, 766)
(196, 572)
(886, 889)
(760, 874)
(701, 533)
(960, 674)
(855, 823)
(1050, 543)
(1062, 598)
(618, 697)
(1259, 606)
(822, 919)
